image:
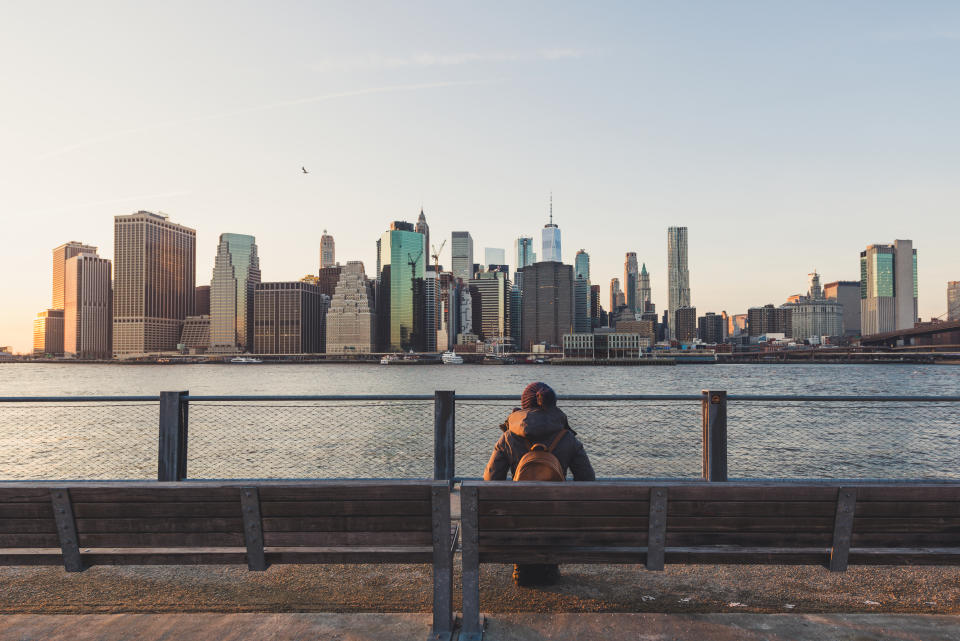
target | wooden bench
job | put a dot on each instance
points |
(81, 524)
(825, 523)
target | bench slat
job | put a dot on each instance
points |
(411, 523)
(23, 510)
(28, 526)
(162, 539)
(384, 492)
(905, 509)
(912, 525)
(401, 507)
(291, 539)
(161, 510)
(155, 525)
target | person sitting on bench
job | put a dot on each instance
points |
(538, 445)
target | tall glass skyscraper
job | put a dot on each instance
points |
(581, 265)
(551, 240)
(523, 252)
(678, 276)
(461, 255)
(888, 287)
(328, 254)
(236, 272)
(402, 260)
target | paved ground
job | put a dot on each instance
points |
(407, 588)
(503, 627)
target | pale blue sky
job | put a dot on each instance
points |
(786, 136)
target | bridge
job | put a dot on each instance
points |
(923, 335)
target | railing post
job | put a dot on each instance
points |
(714, 435)
(172, 451)
(444, 434)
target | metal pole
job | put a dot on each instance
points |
(444, 435)
(172, 450)
(714, 406)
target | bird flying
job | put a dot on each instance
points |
(304, 170)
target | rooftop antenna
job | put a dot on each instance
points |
(551, 207)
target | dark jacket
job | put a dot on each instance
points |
(526, 427)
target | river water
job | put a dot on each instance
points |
(394, 439)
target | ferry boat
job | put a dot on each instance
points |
(451, 358)
(389, 358)
(245, 359)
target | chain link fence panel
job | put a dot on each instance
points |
(843, 439)
(78, 441)
(624, 439)
(291, 440)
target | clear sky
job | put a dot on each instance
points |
(786, 135)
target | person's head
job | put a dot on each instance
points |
(538, 396)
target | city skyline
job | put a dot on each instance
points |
(828, 128)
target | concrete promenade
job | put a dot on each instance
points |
(501, 627)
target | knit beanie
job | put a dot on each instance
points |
(538, 395)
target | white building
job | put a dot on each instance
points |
(350, 318)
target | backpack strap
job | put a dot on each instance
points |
(556, 441)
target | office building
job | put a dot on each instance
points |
(644, 295)
(550, 246)
(769, 320)
(236, 272)
(48, 333)
(154, 282)
(595, 308)
(581, 265)
(813, 316)
(516, 309)
(327, 279)
(631, 281)
(61, 255)
(710, 328)
(678, 276)
(461, 255)
(328, 252)
(581, 306)
(490, 305)
(423, 228)
(351, 314)
(402, 261)
(195, 337)
(289, 318)
(614, 295)
(953, 300)
(686, 324)
(605, 346)
(201, 300)
(494, 256)
(846, 293)
(87, 309)
(547, 306)
(645, 329)
(737, 325)
(523, 253)
(888, 287)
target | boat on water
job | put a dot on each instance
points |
(389, 358)
(451, 358)
(245, 359)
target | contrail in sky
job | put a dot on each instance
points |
(265, 107)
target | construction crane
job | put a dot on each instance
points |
(436, 256)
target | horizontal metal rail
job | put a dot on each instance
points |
(483, 397)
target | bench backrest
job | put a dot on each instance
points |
(219, 522)
(699, 522)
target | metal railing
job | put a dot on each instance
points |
(176, 436)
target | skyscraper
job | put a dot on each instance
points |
(236, 272)
(581, 265)
(614, 294)
(154, 282)
(403, 261)
(350, 317)
(461, 255)
(631, 281)
(490, 292)
(678, 276)
(953, 300)
(61, 255)
(644, 297)
(847, 293)
(289, 318)
(87, 312)
(686, 320)
(328, 254)
(523, 252)
(551, 240)
(493, 256)
(888, 287)
(423, 228)
(48, 333)
(547, 303)
(581, 306)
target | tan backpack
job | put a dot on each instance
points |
(539, 464)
